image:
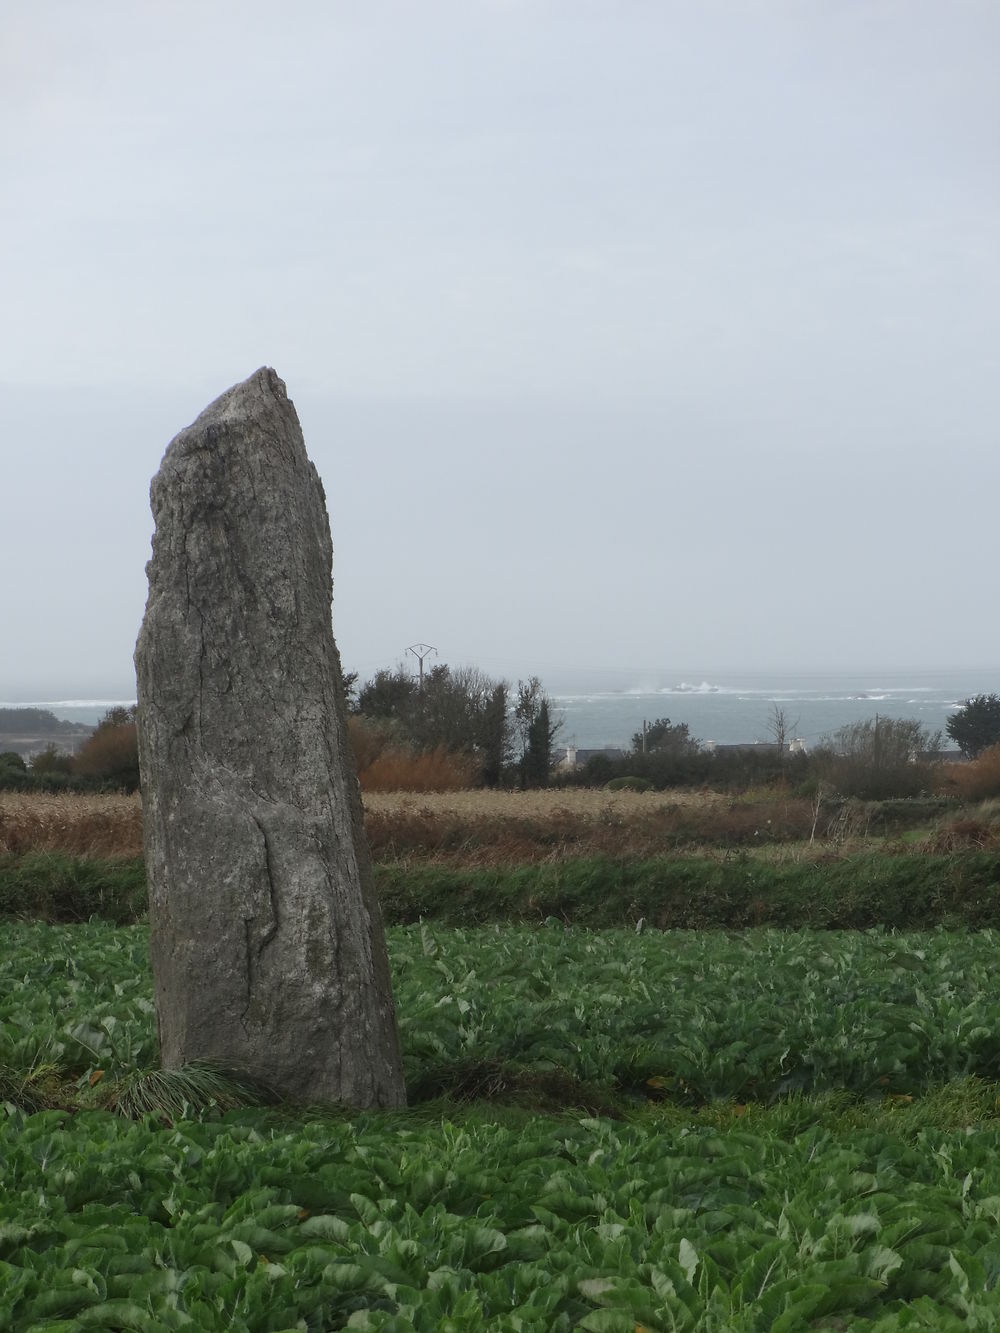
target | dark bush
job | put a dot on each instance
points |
(630, 783)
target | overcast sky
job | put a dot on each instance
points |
(623, 334)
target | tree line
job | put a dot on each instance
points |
(498, 734)
(461, 727)
(456, 727)
(108, 760)
(876, 759)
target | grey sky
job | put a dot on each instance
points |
(622, 334)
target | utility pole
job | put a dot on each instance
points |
(420, 651)
(645, 724)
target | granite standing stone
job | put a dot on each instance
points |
(267, 942)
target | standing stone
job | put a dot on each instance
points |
(267, 943)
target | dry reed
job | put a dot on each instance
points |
(497, 828)
(437, 770)
(72, 823)
(583, 802)
(974, 781)
(472, 827)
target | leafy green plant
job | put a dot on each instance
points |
(599, 1019)
(725, 1197)
(398, 1223)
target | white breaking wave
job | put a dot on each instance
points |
(704, 688)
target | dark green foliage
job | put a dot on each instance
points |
(976, 725)
(388, 694)
(52, 761)
(459, 709)
(50, 771)
(670, 766)
(598, 771)
(14, 775)
(665, 736)
(493, 732)
(687, 764)
(464, 710)
(666, 755)
(51, 887)
(906, 891)
(537, 732)
(749, 766)
(538, 755)
(916, 891)
(630, 783)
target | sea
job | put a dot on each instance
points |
(598, 708)
(738, 708)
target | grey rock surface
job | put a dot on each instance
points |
(267, 942)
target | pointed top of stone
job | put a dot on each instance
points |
(246, 398)
(260, 398)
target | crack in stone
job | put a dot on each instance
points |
(257, 939)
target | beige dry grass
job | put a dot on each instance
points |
(579, 802)
(511, 828)
(72, 823)
(461, 828)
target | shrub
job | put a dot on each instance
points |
(459, 709)
(664, 736)
(14, 775)
(961, 835)
(111, 756)
(50, 761)
(977, 780)
(629, 784)
(368, 738)
(598, 771)
(976, 725)
(879, 759)
(428, 770)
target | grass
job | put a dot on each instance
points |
(912, 889)
(56, 887)
(181, 1094)
(491, 1092)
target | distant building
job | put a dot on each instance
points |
(796, 746)
(573, 757)
(942, 757)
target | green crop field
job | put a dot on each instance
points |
(387, 1223)
(693, 1015)
(800, 1132)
